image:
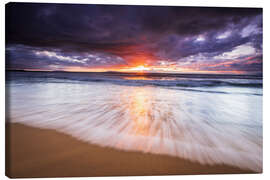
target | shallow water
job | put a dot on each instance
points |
(220, 124)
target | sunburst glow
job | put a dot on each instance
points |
(140, 68)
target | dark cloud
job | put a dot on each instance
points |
(129, 33)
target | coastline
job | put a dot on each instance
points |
(34, 152)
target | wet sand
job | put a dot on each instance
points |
(34, 152)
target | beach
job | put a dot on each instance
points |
(102, 124)
(34, 152)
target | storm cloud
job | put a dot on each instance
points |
(56, 36)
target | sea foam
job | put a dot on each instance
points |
(205, 127)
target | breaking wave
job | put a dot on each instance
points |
(219, 129)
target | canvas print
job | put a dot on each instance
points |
(123, 90)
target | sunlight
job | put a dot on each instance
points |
(140, 68)
(140, 110)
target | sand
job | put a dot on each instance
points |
(34, 152)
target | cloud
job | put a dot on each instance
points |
(26, 57)
(237, 52)
(60, 57)
(224, 35)
(128, 35)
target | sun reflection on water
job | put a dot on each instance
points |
(139, 110)
(201, 127)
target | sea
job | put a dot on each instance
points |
(205, 118)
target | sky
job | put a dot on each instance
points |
(73, 37)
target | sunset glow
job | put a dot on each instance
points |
(139, 68)
(140, 40)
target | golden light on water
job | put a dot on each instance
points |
(140, 110)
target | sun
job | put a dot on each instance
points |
(140, 68)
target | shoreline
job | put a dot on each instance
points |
(34, 152)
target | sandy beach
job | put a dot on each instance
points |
(34, 152)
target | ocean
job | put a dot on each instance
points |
(205, 118)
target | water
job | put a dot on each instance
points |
(210, 119)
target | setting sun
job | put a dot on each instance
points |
(140, 68)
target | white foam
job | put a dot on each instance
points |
(202, 127)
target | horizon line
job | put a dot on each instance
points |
(135, 72)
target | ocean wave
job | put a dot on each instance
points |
(220, 129)
(167, 83)
(168, 80)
